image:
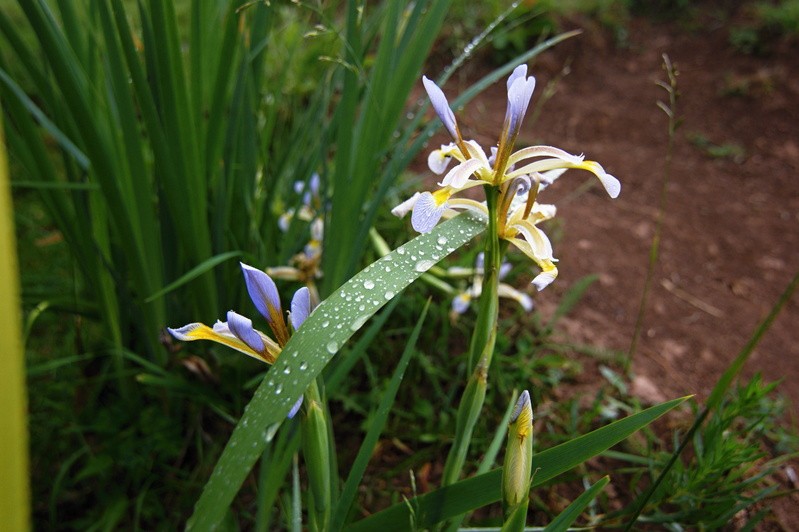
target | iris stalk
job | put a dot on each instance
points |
(481, 349)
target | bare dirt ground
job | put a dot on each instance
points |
(730, 238)
(730, 241)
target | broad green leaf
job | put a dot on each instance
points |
(331, 324)
(564, 520)
(478, 491)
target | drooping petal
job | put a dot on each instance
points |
(611, 184)
(441, 106)
(300, 307)
(559, 159)
(438, 162)
(463, 204)
(538, 240)
(199, 331)
(427, 212)
(406, 206)
(542, 151)
(545, 278)
(507, 291)
(458, 176)
(264, 295)
(241, 326)
(518, 72)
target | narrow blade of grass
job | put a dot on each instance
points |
(375, 429)
(564, 520)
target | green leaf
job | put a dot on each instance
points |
(564, 520)
(478, 491)
(331, 324)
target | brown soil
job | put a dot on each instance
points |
(730, 237)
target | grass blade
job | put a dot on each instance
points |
(195, 272)
(375, 429)
(564, 520)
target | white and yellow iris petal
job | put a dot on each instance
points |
(507, 291)
(222, 334)
(555, 158)
(458, 176)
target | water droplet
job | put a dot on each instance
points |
(423, 265)
(294, 354)
(368, 284)
(286, 370)
(362, 308)
(279, 389)
(332, 347)
(389, 295)
(303, 366)
(401, 250)
(442, 240)
(325, 324)
(271, 430)
(358, 323)
(388, 269)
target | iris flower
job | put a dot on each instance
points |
(238, 331)
(519, 175)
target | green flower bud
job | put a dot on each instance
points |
(516, 474)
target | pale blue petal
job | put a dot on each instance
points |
(263, 292)
(441, 106)
(300, 307)
(426, 213)
(241, 327)
(295, 408)
(519, 95)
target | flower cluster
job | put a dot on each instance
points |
(519, 176)
(238, 332)
(305, 265)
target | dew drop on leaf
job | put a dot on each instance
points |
(368, 284)
(423, 265)
(332, 347)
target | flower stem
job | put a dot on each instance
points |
(481, 349)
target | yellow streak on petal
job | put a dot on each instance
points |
(203, 332)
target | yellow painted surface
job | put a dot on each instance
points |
(14, 484)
